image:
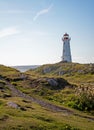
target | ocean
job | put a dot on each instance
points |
(25, 68)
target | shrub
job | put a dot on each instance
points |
(86, 101)
(83, 100)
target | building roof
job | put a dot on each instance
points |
(66, 34)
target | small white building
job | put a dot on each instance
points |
(66, 55)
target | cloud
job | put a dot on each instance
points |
(8, 31)
(42, 12)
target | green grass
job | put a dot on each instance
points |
(4, 90)
(36, 117)
(9, 73)
(73, 72)
(63, 68)
(81, 75)
(67, 96)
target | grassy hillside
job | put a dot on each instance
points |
(19, 112)
(81, 95)
(9, 73)
(73, 72)
(35, 117)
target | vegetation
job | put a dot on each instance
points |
(9, 73)
(36, 117)
(66, 85)
(81, 95)
(84, 99)
(60, 69)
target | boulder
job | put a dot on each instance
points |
(13, 105)
(46, 70)
(52, 82)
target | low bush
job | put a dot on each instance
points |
(83, 100)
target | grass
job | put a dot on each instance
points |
(32, 116)
(80, 79)
(63, 68)
(73, 72)
(67, 96)
(9, 73)
(77, 74)
(4, 90)
(36, 117)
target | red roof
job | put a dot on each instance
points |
(66, 34)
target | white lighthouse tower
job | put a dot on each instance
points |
(66, 55)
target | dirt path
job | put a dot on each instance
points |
(16, 92)
(44, 104)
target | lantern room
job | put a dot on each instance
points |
(65, 36)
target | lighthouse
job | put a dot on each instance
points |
(66, 55)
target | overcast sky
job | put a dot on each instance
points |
(31, 31)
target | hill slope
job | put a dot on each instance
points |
(8, 72)
(70, 71)
(81, 95)
(37, 102)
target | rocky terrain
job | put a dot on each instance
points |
(42, 97)
(61, 68)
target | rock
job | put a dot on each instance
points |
(81, 71)
(46, 70)
(61, 73)
(52, 82)
(23, 76)
(13, 105)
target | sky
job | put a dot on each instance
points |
(31, 31)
